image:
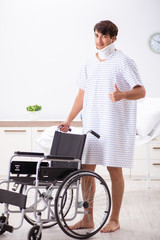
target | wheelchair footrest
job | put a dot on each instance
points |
(6, 227)
(16, 199)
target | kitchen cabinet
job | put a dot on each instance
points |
(11, 140)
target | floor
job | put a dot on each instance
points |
(139, 218)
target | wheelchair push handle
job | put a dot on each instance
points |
(90, 131)
(59, 128)
(94, 133)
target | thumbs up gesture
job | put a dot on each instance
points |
(117, 95)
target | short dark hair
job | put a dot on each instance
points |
(106, 28)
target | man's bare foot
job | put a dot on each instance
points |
(82, 225)
(111, 226)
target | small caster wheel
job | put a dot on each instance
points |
(2, 220)
(33, 233)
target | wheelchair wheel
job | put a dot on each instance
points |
(46, 206)
(93, 204)
(33, 233)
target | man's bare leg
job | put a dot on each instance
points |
(87, 183)
(117, 180)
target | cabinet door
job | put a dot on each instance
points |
(11, 140)
(155, 158)
(155, 149)
(149, 151)
(36, 133)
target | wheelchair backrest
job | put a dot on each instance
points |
(68, 144)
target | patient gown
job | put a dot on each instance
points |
(115, 122)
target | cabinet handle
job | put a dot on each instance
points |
(156, 164)
(9, 131)
(40, 130)
(156, 147)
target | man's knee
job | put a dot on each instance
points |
(88, 167)
(115, 171)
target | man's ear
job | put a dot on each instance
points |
(114, 39)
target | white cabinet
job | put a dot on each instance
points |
(155, 158)
(11, 140)
(147, 160)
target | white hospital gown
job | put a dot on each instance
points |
(115, 122)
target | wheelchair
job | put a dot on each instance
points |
(54, 190)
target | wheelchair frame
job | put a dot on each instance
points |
(55, 209)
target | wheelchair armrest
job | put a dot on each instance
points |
(58, 157)
(30, 154)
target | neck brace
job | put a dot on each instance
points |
(106, 51)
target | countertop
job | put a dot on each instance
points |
(38, 123)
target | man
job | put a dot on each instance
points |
(109, 84)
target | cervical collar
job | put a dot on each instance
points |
(106, 52)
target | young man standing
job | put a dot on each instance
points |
(109, 84)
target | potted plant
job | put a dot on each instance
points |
(34, 111)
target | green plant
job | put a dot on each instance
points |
(34, 108)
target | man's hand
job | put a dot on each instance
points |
(64, 126)
(136, 93)
(117, 95)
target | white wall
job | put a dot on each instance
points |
(43, 43)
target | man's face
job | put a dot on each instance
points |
(103, 41)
